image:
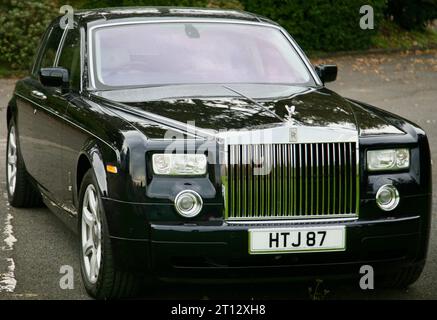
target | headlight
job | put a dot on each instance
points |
(179, 164)
(388, 159)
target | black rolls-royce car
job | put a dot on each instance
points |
(202, 145)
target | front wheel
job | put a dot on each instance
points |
(101, 279)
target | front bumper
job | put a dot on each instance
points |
(217, 252)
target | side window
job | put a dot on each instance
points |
(48, 57)
(70, 57)
(39, 52)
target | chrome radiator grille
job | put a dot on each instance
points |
(314, 180)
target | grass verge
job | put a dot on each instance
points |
(391, 36)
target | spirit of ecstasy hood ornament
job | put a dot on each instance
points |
(289, 118)
(290, 109)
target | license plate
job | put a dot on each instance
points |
(305, 239)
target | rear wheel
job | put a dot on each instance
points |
(21, 192)
(100, 277)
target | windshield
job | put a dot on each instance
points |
(194, 53)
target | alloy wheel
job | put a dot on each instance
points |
(91, 234)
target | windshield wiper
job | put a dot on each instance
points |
(255, 102)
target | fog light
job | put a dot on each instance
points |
(188, 203)
(387, 197)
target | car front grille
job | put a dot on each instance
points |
(308, 180)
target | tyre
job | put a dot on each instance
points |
(100, 278)
(21, 192)
(403, 278)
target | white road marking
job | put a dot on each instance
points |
(7, 279)
(8, 232)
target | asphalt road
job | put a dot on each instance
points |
(34, 244)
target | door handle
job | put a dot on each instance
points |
(38, 95)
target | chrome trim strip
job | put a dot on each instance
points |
(334, 163)
(250, 178)
(274, 180)
(345, 174)
(351, 195)
(294, 179)
(176, 139)
(311, 179)
(284, 184)
(280, 135)
(322, 221)
(60, 47)
(300, 181)
(244, 178)
(292, 221)
(339, 177)
(237, 173)
(307, 174)
(357, 193)
(317, 177)
(265, 186)
(323, 177)
(231, 170)
(254, 181)
(329, 178)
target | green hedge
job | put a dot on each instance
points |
(321, 25)
(412, 14)
(22, 25)
(228, 4)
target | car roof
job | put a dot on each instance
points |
(94, 15)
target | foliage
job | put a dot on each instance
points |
(320, 25)
(412, 14)
(23, 23)
(226, 4)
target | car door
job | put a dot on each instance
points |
(48, 105)
(28, 97)
(70, 59)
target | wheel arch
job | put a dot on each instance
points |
(83, 165)
(10, 112)
(8, 115)
(91, 157)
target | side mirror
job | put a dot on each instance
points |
(54, 77)
(327, 72)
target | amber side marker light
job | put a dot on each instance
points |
(111, 169)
